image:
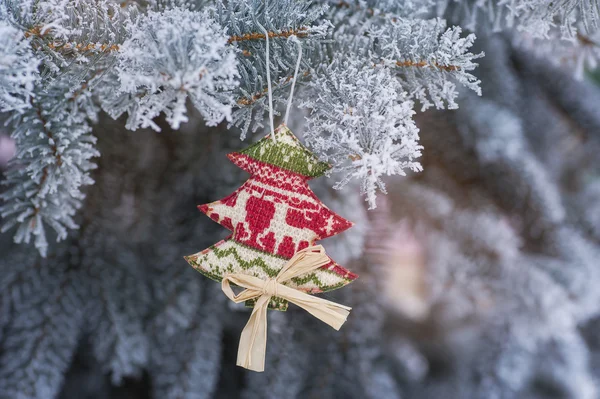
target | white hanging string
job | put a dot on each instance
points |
(270, 92)
(289, 103)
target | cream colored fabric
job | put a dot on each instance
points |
(253, 342)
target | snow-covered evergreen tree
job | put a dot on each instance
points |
(494, 241)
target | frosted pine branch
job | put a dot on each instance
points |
(442, 56)
(430, 58)
(401, 60)
(361, 121)
(18, 69)
(52, 164)
(169, 57)
(54, 144)
(64, 31)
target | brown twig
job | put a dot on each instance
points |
(261, 94)
(48, 133)
(300, 32)
(55, 153)
(84, 86)
(586, 40)
(102, 48)
(402, 64)
(423, 64)
(105, 48)
(36, 31)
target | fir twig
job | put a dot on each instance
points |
(300, 32)
(423, 64)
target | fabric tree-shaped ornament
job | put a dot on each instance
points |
(274, 217)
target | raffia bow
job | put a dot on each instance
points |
(253, 342)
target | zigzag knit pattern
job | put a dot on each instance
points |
(273, 215)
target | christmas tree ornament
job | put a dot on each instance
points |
(275, 219)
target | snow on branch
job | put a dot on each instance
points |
(429, 58)
(67, 31)
(437, 59)
(18, 69)
(53, 134)
(365, 127)
(54, 148)
(361, 121)
(171, 56)
(348, 9)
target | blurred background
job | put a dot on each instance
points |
(479, 277)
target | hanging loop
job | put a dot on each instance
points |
(289, 103)
(269, 88)
(270, 91)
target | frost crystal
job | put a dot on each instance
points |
(170, 56)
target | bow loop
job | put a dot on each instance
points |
(252, 348)
(304, 261)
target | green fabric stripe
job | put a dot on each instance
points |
(241, 244)
(275, 303)
(197, 266)
(323, 287)
(245, 265)
(296, 158)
